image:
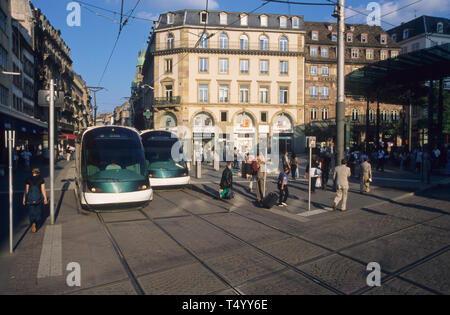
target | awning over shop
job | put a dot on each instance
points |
(67, 136)
(8, 122)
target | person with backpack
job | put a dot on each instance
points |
(33, 198)
(283, 187)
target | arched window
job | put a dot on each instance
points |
(371, 115)
(394, 115)
(223, 41)
(324, 113)
(244, 42)
(355, 115)
(204, 41)
(264, 42)
(170, 40)
(384, 115)
(440, 27)
(283, 43)
(313, 113)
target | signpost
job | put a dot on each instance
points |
(311, 143)
(9, 144)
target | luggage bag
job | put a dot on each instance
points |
(270, 200)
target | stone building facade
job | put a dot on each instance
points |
(234, 77)
(364, 44)
(53, 61)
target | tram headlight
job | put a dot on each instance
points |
(96, 190)
(143, 187)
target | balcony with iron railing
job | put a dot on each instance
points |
(175, 100)
(230, 46)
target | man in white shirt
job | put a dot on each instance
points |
(341, 175)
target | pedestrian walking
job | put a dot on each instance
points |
(366, 176)
(226, 182)
(314, 173)
(261, 179)
(33, 198)
(285, 161)
(254, 173)
(283, 187)
(236, 159)
(325, 166)
(341, 175)
(380, 160)
(294, 166)
(26, 155)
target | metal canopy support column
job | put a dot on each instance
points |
(367, 125)
(430, 117)
(440, 116)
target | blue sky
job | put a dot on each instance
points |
(92, 42)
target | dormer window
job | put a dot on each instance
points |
(440, 27)
(363, 38)
(223, 18)
(383, 39)
(334, 37)
(295, 22)
(352, 28)
(394, 37)
(204, 17)
(283, 21)
(169, 18)
(315, 35)
(244, 19)
(263, 19)
(405, 34)
(349, 37)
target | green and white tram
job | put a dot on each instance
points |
(111, 169)
(163, 169)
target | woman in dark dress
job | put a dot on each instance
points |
(33, 198)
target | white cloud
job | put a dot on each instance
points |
(147, 16)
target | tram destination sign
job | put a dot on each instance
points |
(44, 98)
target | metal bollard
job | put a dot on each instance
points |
(216, 163)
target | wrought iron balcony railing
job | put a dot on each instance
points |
(167, 100)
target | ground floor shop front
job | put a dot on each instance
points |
(224, 129)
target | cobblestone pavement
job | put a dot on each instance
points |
(186, 242)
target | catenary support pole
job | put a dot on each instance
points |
(52, 151)
(340, 105)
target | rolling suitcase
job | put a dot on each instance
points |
(270, 200)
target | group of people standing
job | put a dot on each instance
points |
(254, 169)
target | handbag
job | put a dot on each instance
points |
(318, 182)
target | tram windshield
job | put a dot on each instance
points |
(113, 154)
(158, 152)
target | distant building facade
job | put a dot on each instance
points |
(234, 77)
(364, 44)
(122, 115)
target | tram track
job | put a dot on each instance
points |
(235, 288)
(286, 265)
(134, 281)
(389, 275)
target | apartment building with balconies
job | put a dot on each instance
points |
(231, 76)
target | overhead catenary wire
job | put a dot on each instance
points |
(115, 13)
(211, 35)
(115, 44)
